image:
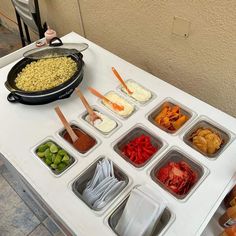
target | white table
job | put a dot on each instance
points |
(22, 127)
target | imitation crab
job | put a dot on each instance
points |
(178, 177)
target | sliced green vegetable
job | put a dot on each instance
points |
(66, 158)
(48, 162)
(53, 157)
(48, 153)
(53, 148)
(40, 154)
(58, 159)
(49, 144)
(62, 152)
(42, 148)
(61, 166)
(54, 166)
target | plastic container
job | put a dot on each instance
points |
(183, 110)
(230, 198)
(176, 155)
(79, 184)
(50, 34)
(231, 231)
(204, 122)
(54, 172)
(228, 219)
(135, 132)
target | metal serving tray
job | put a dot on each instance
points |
(206, 123)
(116, 114)
(96, 108)
(184, 110)
(79, 184)
(74, 124)
(177, 155)
(133, 133)
(153, 96)
(164, 222)
(73, 160)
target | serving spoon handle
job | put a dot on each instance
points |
(92, 115)
(67, 126)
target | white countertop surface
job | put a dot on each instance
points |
(23, 126)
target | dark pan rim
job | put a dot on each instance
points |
(18, 67)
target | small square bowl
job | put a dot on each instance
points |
(183, 110)
(165, 221)
(133, 133)
(204, 123)
(176, 155)
(79, 184)
(97, 109)
(74, 125)
(115, 113)
(121, 89)
(56, 173)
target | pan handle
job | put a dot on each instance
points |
(53, 44)
(13, 98)
(78, 55)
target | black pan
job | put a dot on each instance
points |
(62, 91)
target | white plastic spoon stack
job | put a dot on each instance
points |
(103, 186)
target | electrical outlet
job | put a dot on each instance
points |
(181, 27)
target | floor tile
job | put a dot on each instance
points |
(16, 218)
(40, 231)
(37, 210)
(52, 227)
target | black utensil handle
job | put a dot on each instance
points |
(13, 98)
(53, 44)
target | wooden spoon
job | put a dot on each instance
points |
(92, 115)
(121, 80)
(67, 126)
(114, 105)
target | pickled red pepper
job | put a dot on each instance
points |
(179, 177)
(139, 150)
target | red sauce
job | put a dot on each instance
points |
(84, 142)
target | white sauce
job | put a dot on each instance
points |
(139, 93)
(105, 125)
(114, 97)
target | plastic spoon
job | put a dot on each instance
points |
(67, 126)
(92, 115)
(111, 185)
(114, 105)
(96, 193)
(121, 80)
(110, 194)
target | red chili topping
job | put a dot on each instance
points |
(85, 141)
(139, 150)
(178, 177)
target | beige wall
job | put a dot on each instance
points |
(139, 31)
(62, 15)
